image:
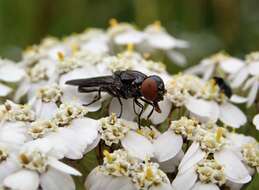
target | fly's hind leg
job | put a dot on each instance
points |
(96, 98)
(151, 104)
(115, 94)
(141, 111)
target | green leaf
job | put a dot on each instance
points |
(254, 184)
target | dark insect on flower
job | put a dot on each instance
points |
(224, 87)
(125, 84)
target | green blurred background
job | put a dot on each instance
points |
(210, 25)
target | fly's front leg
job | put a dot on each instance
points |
(141, 111)
(151, 104)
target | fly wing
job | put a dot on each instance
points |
(92, 82)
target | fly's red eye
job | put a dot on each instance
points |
(149, 89)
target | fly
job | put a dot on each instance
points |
(125, 84)
(224, 87)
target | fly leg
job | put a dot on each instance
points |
(115, 94)
(141, 111)
(97, 98)
(151, 104)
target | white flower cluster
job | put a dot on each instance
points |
(48, 126)
(142, 175)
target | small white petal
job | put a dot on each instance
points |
(130, 37)
(254, 68)
(256, 121)
(54, 180)
(252, 94)
(167, 145)
(232, 115)
(205, 186)
(62, 167)
(170, 166)
(47, 110)
(7, 167)
(176, 57)
(249, 83)
(209, 71)
(193, 155)
(186, 180)
(203, 108)
(231, 65)
(11, 73)
(238, 99)
(98, 181)
(234, 169)
(127, 111)
(196, 69)
(240, 78)
(162, 186)
(4, 90)
(137, 145)
(22, 180)
(158, 118)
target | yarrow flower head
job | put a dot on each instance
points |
(140, 175)
(250, 153)
(67, 112)
(185, 127)
(209, 171)
(181, 87)
(16, 112)
(50, 94)
(112, 129)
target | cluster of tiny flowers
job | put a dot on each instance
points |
(151, 133)
(39, 128)
(34, 160)
(191, 144)
(250, 154)
(112, 129)
(182, 86)
(50, 94)
(143, 175)
(211, 91)
(67, 112)
(210, 141)
(16, 112)
(185, 127)
(211, 171)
